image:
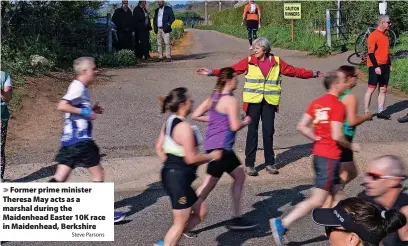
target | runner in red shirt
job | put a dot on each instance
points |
(326, 114)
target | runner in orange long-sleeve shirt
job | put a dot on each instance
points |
(379, 65)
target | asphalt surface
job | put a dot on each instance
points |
(131, 123)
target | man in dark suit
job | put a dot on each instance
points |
(163, 18)
(142, 27)
(122, 17)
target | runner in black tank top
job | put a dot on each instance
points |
(383, 185)
(176, 147)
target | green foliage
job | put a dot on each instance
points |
(187, 16)
(39, 28)
(272, 13)
(399, 75)
(361, 13)
(120, 58)
(278, 36)
(399, 72)
(176, 34)
(212, 6)
(358, 14)
(126, 57)
(18, 61)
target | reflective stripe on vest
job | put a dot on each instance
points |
(272, 82)
(262, 92)
(257, 87)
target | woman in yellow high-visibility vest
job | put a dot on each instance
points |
(261, 96)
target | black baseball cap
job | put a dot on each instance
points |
(338, 216)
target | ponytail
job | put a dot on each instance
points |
(163, 101)
(173, 100)
(226, 73)
(374, 219)
(393, 220)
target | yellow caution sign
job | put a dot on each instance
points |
(292, 11)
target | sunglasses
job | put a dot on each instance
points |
(376, 176)
(330, 229)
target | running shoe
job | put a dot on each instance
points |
(403, 119)
(277, 230)
(159, 243)
(190, 234)
(382, 115)
(240, 223)
(272, 169)
(251, 171)
(119, 216)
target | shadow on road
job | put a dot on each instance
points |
(289, 156)
(191, 56)
(263, 211)
(147, 198)
(44, 172)
(396, 107)
(309, 241)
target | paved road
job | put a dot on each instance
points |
(127, 130)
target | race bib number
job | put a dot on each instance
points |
(321, 116)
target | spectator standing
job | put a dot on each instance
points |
(142, 27)
(163, 19)
(122, 18)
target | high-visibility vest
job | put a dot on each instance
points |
(257, 87)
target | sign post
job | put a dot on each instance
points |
(292, 11)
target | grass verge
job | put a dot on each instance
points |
(399, 74)
(304, 39)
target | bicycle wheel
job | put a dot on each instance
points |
(361, 44)
(356, 59)
(392, 38)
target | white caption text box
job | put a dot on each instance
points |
(28, 215)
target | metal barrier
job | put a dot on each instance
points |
(336, 28)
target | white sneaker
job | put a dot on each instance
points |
(251, 48)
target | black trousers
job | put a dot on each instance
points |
(252, 27)
(267, 112)
(142, 43)
(125, 40)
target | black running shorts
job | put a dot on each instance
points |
(326, 172)
(381, 80)
(83, 154)
(228, 162)
(177, 184)
(347, 155)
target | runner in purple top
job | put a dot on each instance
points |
(223, 123)
(219, 134)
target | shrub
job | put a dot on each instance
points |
(120, 58)
(126, 57)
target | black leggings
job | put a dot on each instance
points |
(3, 146)
(252, 27)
